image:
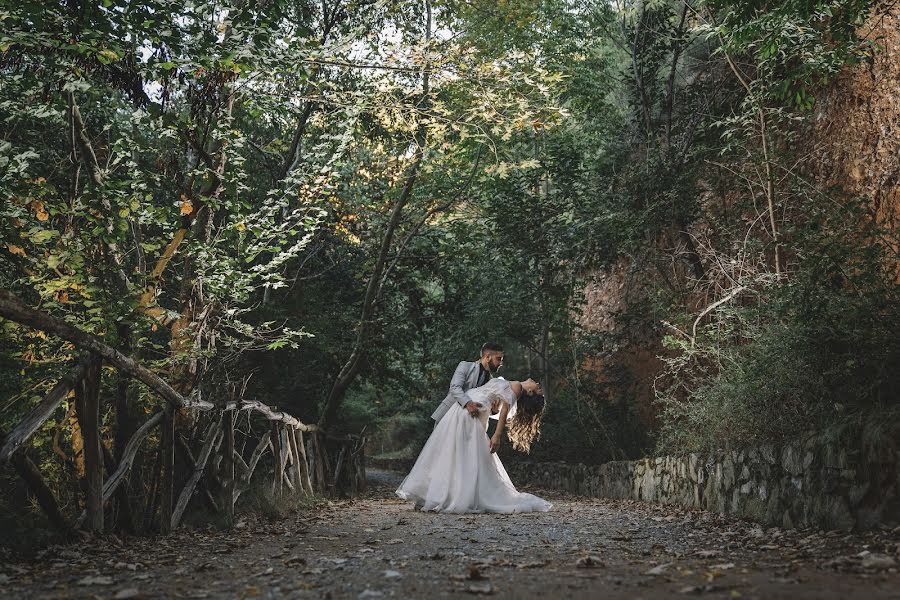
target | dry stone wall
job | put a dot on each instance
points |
(816, 484)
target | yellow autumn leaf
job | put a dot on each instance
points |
(15, 249)
(109, 55)
(186, 207)
(39, 211)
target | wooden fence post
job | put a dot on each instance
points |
(150, 502)
(87, 398)
(304, 463)
(339, 467)
(287, 454)
(197, 467)
(296, 468)
(361, 466)
(275, 438)
(167, 483)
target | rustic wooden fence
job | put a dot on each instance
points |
(220, 444)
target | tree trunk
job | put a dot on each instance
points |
(351, 368)
(125, 429)
(167, 483)
(87, 399)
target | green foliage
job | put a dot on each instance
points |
(796, 46)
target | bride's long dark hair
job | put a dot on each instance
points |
(525, 426)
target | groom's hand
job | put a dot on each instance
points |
(472, 408)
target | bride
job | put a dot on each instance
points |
(458, 470)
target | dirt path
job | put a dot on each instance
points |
(378, 547)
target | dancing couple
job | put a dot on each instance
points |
(458, 470)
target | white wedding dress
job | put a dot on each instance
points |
(456, 472)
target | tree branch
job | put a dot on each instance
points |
(43, 411)
(15, 310)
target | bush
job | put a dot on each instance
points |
(816, 351)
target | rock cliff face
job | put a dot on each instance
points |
(853, 143)
(630, 369)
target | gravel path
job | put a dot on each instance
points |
(378, 547)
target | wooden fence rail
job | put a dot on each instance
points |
(300, 460)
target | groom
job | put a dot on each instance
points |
(470, 375)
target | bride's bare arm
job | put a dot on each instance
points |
(501, 424)
(517, 389)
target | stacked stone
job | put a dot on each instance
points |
(817, 484)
